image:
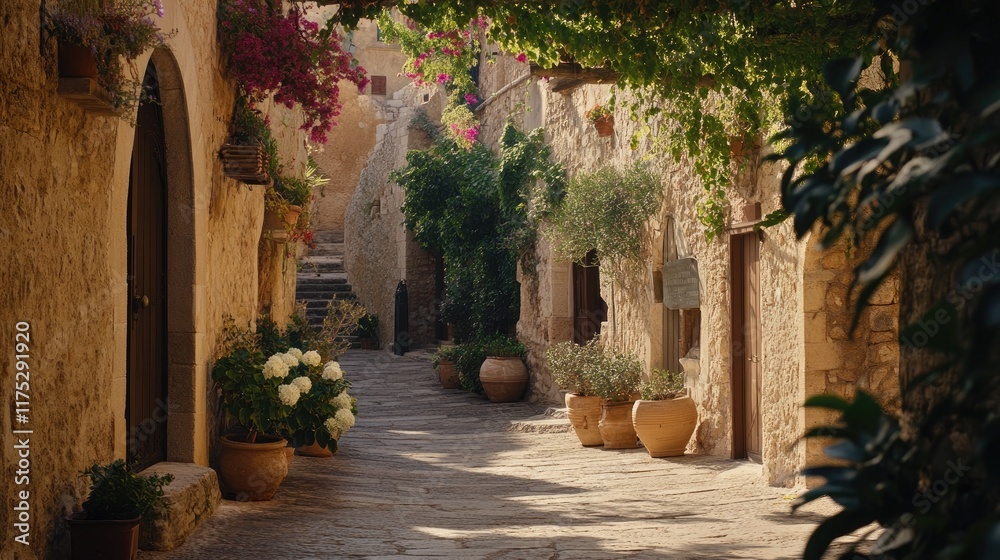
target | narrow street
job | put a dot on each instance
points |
(434, 473)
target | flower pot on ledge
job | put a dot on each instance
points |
(276, 226)
(605, 126)
(78, 80)
(245, 163)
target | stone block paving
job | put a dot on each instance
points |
(431, 473)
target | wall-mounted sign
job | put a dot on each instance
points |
(680, 284)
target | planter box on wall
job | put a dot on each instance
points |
(245, 163)
(78, 80)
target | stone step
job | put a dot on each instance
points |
(312, 291)
(187, 501)
(322, 237)
(325, 279)
(326, 249)
(553, 420)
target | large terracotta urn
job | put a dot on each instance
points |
(665, 427)
(504, 378)
(616, 425)
(585, 415)
(252, 471)
(448, 375)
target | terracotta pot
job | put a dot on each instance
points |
(292, 214)
(368, 343)
(616, 425)
(605, 126)
(316, 450)
(289, 453)
(665, 427)
(448, 375)
(76, 61)
(252, 471)
(504, 378)
(585, 414)
(105, 540)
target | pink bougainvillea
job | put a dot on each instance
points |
(521, 57)
(285, 55)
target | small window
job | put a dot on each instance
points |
(378, 85)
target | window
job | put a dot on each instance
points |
(378, 85)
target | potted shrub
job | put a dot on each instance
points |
(615, 378)
(367, 332)
(251, 152)
(444, 361)
(603, 118)
(257, 398)
(567, 362)
(665, 416)
(92, 40)
(503, 373)
(108, 526)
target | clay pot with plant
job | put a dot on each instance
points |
(108, 526)
(603, 118)
(615, 378)
(367, 332)
(250, 154)
(444, 361)
(568, 362)
(503, 374)
(665, 417)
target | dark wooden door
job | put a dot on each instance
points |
(146, 408)
(746, 371)
(589, 309)
(671, 317)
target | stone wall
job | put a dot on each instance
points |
(64, 175)
(378, 251)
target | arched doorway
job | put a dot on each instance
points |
(146, 376)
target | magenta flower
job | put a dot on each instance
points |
(471, 98)
(521, 57)
(443, 78)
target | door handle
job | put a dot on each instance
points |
(138, 304)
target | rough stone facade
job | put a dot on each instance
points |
(803, 309)
(379, 252)
(64, 175)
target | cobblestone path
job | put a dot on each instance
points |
(434, 473)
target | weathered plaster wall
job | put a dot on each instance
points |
(378, 251)
(64, 180)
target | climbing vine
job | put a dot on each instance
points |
(480, 212)
(716, 70)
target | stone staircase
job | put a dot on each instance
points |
(322, 278)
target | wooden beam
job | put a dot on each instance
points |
(577, 72)
(565, 85)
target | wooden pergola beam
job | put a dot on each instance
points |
(577, 73)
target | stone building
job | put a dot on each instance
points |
(757, 319)
(770, 316)
(123, 248)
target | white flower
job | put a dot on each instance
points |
(332, 371)
(275, 367)
(311, 358)
(303, 383)
(333, 427)
(295, 352)
(289, 359)
(345, 418)
(343, 400)
(289, 394)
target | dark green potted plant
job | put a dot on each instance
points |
(616, 378)
(108, 526)
(367, 332)
(444, 361)
(503, 374)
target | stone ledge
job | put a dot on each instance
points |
(187, 501)
(552, 421)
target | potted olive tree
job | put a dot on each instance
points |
(665, 416)
(568, 363)
(615, 378)
(503, 374)
(108, 526)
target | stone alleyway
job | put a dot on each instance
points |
(434, 473)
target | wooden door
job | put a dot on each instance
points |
(671, 317)
(589, 309)
(746, 371)
(146, 405)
